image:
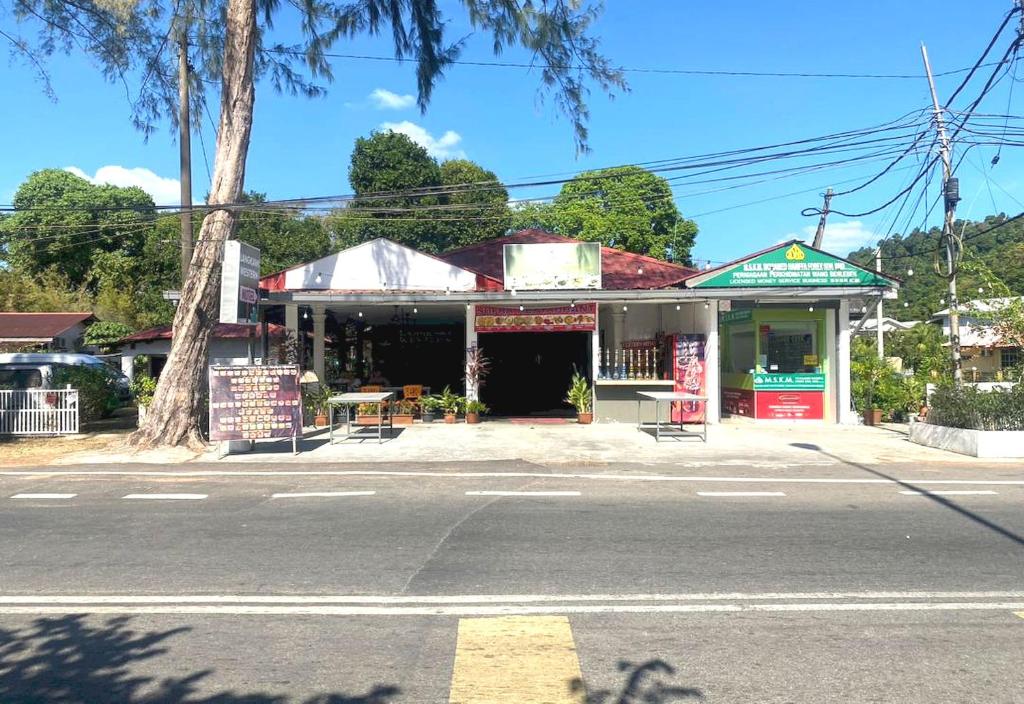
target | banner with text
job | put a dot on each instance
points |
(582, 318)
(252, 403)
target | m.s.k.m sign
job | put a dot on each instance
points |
(790, 264)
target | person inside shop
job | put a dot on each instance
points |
(377, 379)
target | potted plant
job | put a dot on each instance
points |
(316, 401)
(451, 404)
(581, 398)
(474, 409)
(429, 406)
(366, 413)
(404, 412)
(143, 388)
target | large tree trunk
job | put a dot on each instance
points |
(178, 405)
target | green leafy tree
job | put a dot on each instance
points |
(233, 45)
(403, 194)
(921, 349)
(50, 291)
(625, 207)
(105, 333)
(284, 239)
(63, 221)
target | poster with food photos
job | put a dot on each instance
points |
(254, 402)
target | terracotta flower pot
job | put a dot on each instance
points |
(449, 418)
(472, 418)
(584, 418)
(320, 421)
(873, 416)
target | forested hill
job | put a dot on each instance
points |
(998, 246)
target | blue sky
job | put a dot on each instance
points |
(492, 115)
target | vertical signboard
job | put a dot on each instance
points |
(255, 403)
(239, 283)
(690, 375)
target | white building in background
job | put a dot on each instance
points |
(985, 355)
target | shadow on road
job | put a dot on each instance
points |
(643, 686)
(65, 659)
(941, 500)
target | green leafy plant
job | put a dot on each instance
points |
(580, 396)
(451, 403)
(405, 407)
(368, 409)
(477, 407)
(143, 388)
(316, 399)
(105, 333)
(97, 390)
(968, 407)
(430, 404)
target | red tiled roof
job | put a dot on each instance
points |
(220, 330)
(38, 325)
(619, 270)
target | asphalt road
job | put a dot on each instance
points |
(333, 587)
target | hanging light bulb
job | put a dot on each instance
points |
(625, 308)
(906, 304)
(572, 304)
(640, 270)
(415, 310)
(810, 308)
(319, 277)
(305, 315)
(678, 306)
(360, 314)
(706, 305)
(521, 309)
(468, 306)
(910, 272)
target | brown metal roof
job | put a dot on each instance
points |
(39, 326)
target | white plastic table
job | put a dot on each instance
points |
(670, 397)
(347, 401)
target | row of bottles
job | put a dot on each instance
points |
(630, 363)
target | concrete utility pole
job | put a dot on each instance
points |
(820, 234)
(185, 155)
(879, 335)
(952, 244)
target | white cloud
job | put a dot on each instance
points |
(840, 238)
(442, 147)
(165, 191)
(386, 100)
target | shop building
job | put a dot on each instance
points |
(766, 336)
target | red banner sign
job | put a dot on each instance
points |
(249, 403)
(582, 317)
(790, 405)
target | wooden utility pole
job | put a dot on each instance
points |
(879, 335)
(185, 154)
(820, 234)
(951, 243)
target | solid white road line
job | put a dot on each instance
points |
(525, 475)
(513, 609)
(166, 497)
(740, 493)
(44, 496)
(321, 494)
(950, 493)
(468, 599)
(522, 493)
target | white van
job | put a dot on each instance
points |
(35, 370)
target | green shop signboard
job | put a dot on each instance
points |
(792, 264)
(789, 382)
(744, 315)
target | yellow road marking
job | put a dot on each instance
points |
(515, 659)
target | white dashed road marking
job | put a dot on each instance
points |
(740, 493)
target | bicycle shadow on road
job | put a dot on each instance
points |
(66, 659)
(941, 500)
(643, 686)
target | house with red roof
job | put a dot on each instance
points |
(765, 336)
(44, 332)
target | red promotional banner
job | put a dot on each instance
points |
(690, 375)
(579, 318)
(249, 403)
(790, 405)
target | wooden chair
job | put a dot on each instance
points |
(371, 388)
(412, 392)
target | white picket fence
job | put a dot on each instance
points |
(39, 411)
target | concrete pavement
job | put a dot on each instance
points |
(364, 584)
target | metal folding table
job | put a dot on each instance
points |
(350, 400)
(671, 397)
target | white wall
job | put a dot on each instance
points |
(378, 265)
